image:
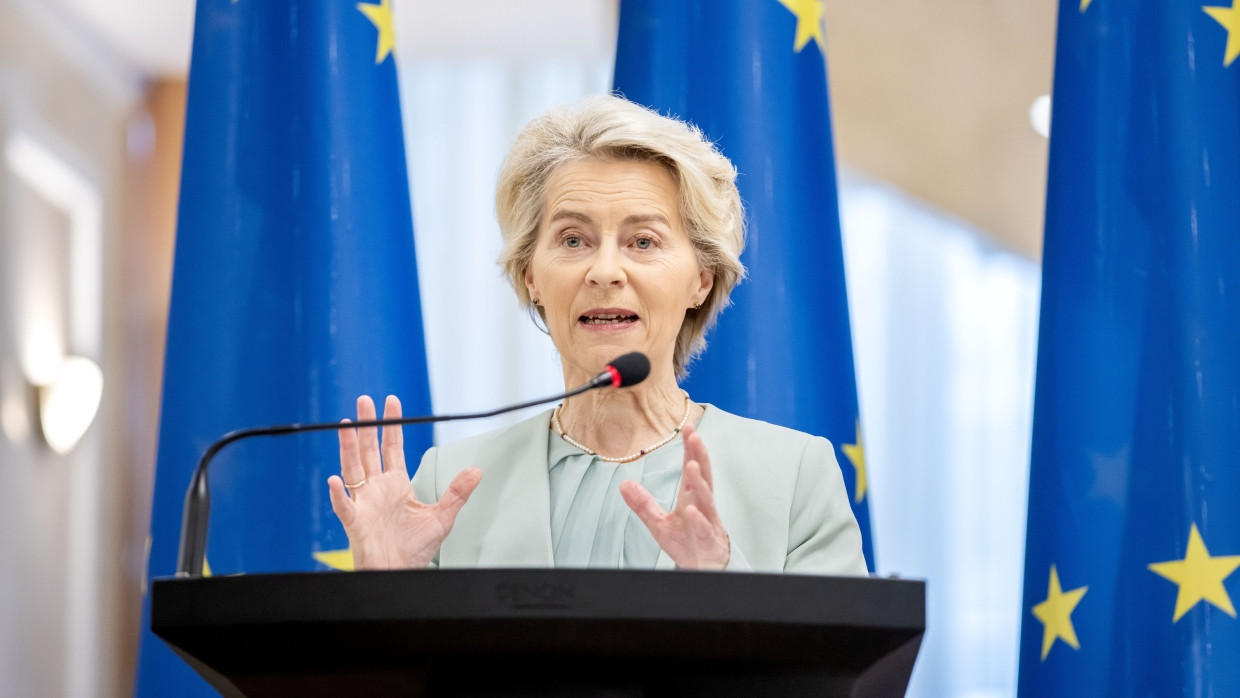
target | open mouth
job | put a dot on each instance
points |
(614, 319)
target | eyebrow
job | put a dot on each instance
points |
(573, 215)
(646, 218)
(634, 219)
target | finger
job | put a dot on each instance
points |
(702, 497)
(393, 439)
(458, 492)
(695, 449)
(642, 503)
(368, 438)
(341, 504)
(690, 480)
(350, 460)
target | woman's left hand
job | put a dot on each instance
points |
(691, 533)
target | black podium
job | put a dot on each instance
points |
(544, 633)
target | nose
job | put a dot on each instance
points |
(606, 268)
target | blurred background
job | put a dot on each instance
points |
(940, 115)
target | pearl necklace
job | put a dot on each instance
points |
(555, 424)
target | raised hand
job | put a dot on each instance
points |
(691, 533)
(388, 527)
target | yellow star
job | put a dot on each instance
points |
(206, 570)
(1056, 614)
(1200, 576)
(1085, 4)
(809, 23)
(856, 454)
(381, 17)
(1230, 19)
(336, 559)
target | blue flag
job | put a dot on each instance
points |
(752, 75)
(1133, 540)
(294, 284)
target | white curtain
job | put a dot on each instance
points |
(943, 326)
(460, 119)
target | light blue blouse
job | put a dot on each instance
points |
(591, 526)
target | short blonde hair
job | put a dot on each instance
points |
(609, 127)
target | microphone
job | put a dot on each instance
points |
(623, 372)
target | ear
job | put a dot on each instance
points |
(529, 283)
(706, 281)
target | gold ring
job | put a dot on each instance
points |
(355, 485)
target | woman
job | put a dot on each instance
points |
(623, 231)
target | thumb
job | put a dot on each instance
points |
(341, 504)
(459, 490)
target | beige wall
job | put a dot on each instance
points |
(67, 576)
(934, 98)
(144, 279)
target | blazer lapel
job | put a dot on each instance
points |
(520, 533)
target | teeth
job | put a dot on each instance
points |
(608, 319)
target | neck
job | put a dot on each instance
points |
(617, 423)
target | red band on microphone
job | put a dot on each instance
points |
(615, 376)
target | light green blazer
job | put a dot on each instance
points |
(779, 493)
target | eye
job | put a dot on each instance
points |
(572, 241)
(643, 243)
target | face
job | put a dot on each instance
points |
(614, 269)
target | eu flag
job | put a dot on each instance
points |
(1134, 497)
(294, 282)
(752, 75)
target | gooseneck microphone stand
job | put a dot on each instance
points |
(624, 371)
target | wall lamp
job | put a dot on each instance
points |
(64, 390)
(66, 407)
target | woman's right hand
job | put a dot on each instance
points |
(388, 527)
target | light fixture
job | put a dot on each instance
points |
(1040, 115)
(63, 392)
(67, 406)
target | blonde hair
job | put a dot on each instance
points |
(609, 127)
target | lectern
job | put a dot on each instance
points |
(544, 633)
